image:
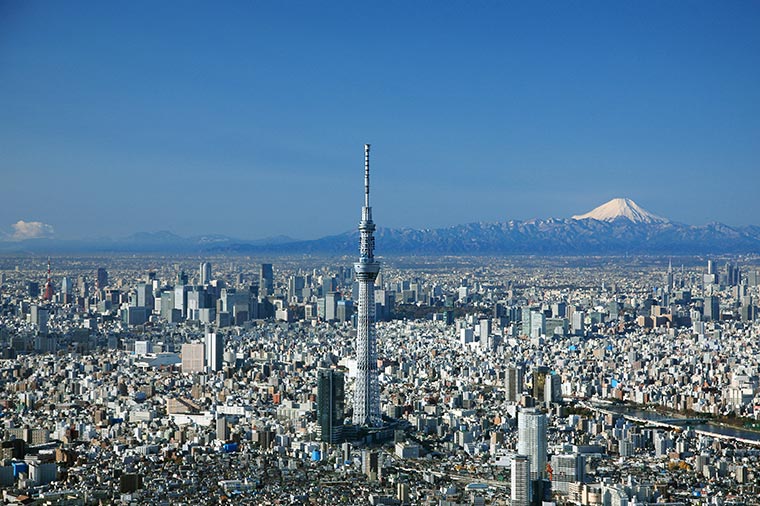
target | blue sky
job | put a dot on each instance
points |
(248, 119)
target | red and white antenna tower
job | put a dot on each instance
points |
(48, 295)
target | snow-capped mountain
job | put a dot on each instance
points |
(621, 208)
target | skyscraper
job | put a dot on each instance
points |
(513, 383)
(266, 280)
(711, 309)
(669, 277)
(540, 373)
(67, 287)
(214, 351)
(205, 273)
(144, 293)
(102, 278)
(531, 440)
(366, 388)
(331, 306)
(552, 389)
(330, 405)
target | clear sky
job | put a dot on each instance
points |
(248, 119)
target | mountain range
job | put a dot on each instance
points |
(617, 227)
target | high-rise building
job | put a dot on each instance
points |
(521, 481)
(102, 278)
(143, 347)
(532, 440)
(205, 273)
(193, 357)
(329, 284)
(539, 382)
(513, 383)
(145, 296)
(331, 405)
(485, 334)
(344, 311)
(753, 278)
(222, 428)
(331, 306)
(567, 469)
(197, 298)
(711, 309)
(371, 465)
(82, 286)
(525, 320)
(296, 285)
(537, 324)
(579, 323)
(67, 286)
(266, 280)
(552, 389)
(32, 288)
(214, 351)
(39, 317)
(367, 388)
(180, 298)
(668, 279)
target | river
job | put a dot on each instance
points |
(709, 428)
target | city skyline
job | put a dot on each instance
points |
(565, 382)
(488, 113)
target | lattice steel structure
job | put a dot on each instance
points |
(366, 389)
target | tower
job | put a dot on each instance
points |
(48, 295)
(366, 388)
(532, 441)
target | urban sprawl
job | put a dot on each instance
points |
(168, 380)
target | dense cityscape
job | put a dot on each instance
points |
(170, 380)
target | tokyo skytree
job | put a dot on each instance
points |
(366, 389)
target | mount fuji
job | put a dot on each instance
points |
(621, 208)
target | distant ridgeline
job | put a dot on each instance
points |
(618, 227)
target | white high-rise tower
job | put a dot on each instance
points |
(532, 440)
(205, 272)
(366, 389)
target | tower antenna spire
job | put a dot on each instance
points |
(366, 175)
